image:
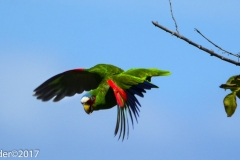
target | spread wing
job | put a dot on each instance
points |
(67, 84)
(125, 88)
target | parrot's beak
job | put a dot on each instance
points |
(87, 108)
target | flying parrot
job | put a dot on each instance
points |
(107, 86)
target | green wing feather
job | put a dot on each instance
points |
(132, 77)
(144, 73)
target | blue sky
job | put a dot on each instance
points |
(183, 119)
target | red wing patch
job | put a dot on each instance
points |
(77, 69)
(120, 94)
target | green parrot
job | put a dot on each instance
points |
(107, 86)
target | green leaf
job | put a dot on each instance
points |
(229, 81)
(233, 83)
(229, 86)
(230, 104)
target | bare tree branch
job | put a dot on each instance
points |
(211, 52)
(173, 16)
(236, 55)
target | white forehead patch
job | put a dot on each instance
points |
(84, 99)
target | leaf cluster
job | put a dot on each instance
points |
(229, 101)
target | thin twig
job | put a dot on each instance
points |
(236, 55)
(211, 52)
(173, 16)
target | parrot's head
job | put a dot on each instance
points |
(87, 101)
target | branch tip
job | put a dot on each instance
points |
(224, 51)
(211, 52)
(173, 16)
